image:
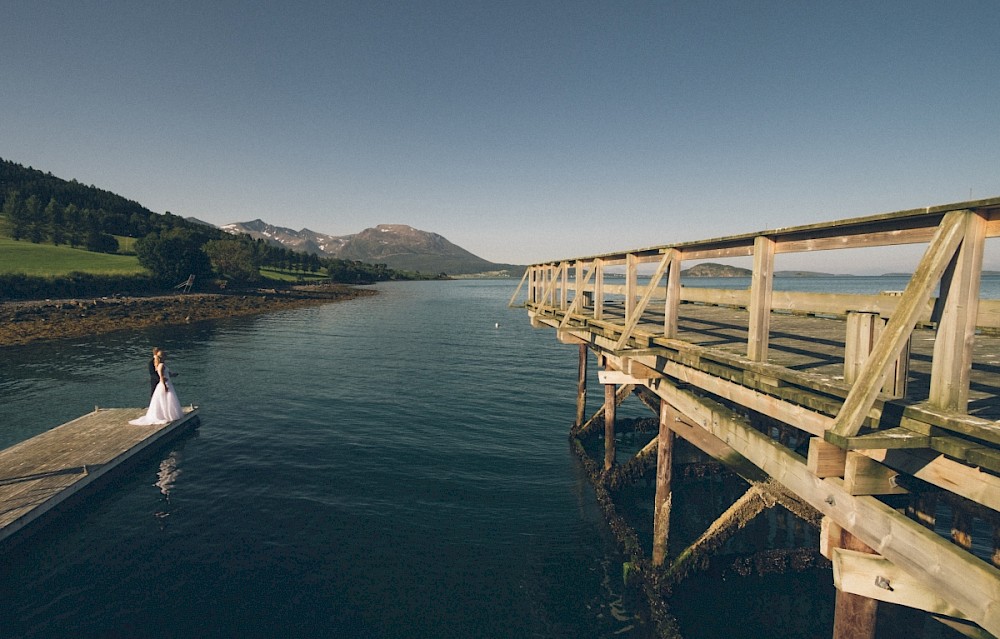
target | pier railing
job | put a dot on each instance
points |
(879, 392)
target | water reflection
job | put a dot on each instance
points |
(166, 478)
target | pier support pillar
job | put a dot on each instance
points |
(581, 388)
(854, 615)
(609, 426)
(664, 494)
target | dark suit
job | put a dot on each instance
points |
(154, 377)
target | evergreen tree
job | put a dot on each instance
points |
(32, 214)
(14, 215)
(50, 216)
(74, 225)
(57, 224)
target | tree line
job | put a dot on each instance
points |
(39, 207)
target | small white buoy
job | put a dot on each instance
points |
(497, 325)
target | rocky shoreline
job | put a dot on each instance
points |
(24, 322)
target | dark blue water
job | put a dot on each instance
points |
(393, 466)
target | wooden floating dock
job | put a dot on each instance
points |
(872, 417)
(39, 474)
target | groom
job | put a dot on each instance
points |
(154, 376)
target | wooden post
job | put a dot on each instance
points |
(564, 286)
(673, 297)
(578, 280)
(581, 387)
(858, 343)
(863, 331)
(598, 289)
(631, 285)
(553, 285)
(899, 373)
(956, 313)
(609, 426)
(663, 499)
(854, 615)
(761, 285)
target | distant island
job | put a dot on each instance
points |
(711, 269)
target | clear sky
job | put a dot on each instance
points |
(521, 131)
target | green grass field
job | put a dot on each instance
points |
(48, 260)
(126, 244)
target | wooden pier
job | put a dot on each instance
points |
(44, 472)
(874, 417)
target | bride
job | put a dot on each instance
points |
(164, 406)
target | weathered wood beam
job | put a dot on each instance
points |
(802, 418)
(749, 505)
(564, 285)
(825, 459)
(609, 426)
(865, 476)
(616, 377)
(892, 438)
(664, 495)
(599, 289)
(959, 307)
(672, 299)
(517, 291)
(631, 284)
(937, 469)
(878, 578)
(761, 285)
(928, 273)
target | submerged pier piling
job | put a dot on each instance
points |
(864, 415)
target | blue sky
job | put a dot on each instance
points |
(521, 131)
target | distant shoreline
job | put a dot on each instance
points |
(31, 321)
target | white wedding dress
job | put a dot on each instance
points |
(163, 406)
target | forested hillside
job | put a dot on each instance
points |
(39, 208)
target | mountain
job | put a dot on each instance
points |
(711, 269)
(305, 240)
(398, 246)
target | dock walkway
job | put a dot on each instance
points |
(873, 416)
(39, 474)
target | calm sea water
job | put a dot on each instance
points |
(392, 466)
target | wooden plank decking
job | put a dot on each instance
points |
(39, 474)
